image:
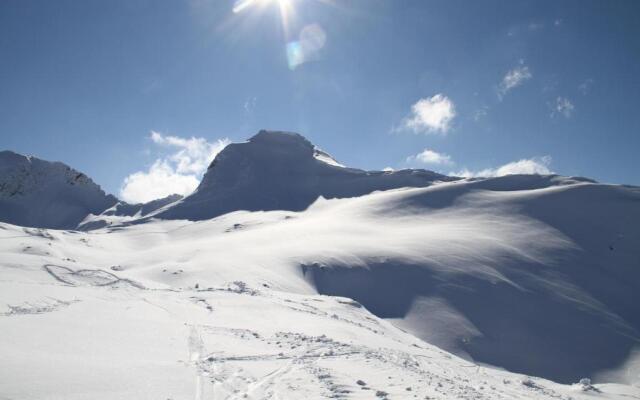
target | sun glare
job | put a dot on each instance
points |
(285, 7)
(302, 43)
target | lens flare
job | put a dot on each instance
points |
(311, 39)
(295, 55)
(307, 48)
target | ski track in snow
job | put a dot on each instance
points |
(293, 364)
(38, 307)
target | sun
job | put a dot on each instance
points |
(303, 41)
(285, 6)
(242, 4)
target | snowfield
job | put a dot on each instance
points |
(229, 307)
(121, 342)
(396, 285)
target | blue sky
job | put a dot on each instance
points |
(454, 86)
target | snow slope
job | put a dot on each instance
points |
(122, 212)
(46, 194)
(524, 278)
(554, 293)
(158, 311)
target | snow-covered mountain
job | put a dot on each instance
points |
(283, 171)
(46, 194)
(389, 286)
(271, 171)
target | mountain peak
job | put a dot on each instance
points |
(281, 138)
(292, 143)
(35, 192)
(276, 170)
(8, 157)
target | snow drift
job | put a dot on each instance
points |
(552, 292)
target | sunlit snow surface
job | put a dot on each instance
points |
(229, 308)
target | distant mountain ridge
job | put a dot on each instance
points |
(45, 194)
(273, 170)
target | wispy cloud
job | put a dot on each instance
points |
(563, 106)
(431, 157)
(250, 104)
(585, 87)
(179, 172)
(536, 165)
(480, 113)
(430, 115)
(536, 26)
(514, 78)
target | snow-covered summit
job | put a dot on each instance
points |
(282, 139)
(45, 194)
(283, 170)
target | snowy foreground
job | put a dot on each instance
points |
(229, 308)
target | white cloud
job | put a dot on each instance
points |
(431, 157)
(539, 166)
(564, 106)
(513, 79)
(179, 172)
(430, 115)
(159, 181)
